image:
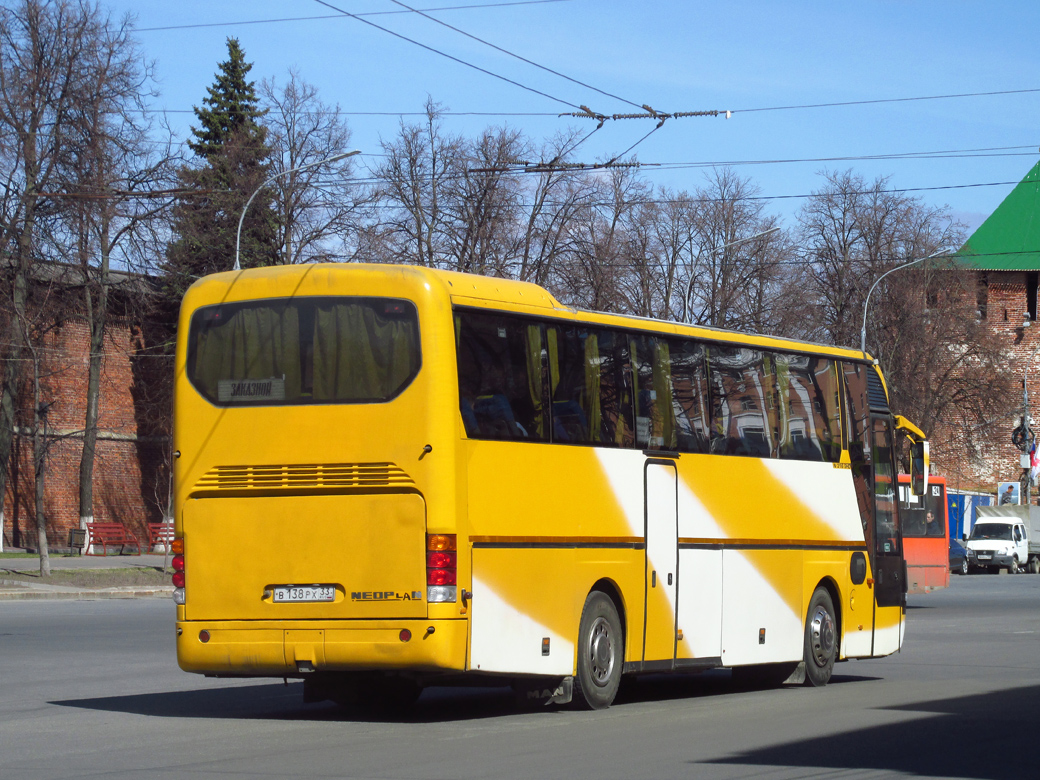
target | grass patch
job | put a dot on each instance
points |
(18, 555)
(93, 578)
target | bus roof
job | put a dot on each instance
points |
(511, 295)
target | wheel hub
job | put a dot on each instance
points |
(601, 652)
(822, 630)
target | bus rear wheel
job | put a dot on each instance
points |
(821, 639)
(601, 653)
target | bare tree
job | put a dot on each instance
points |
(318, 207)
(419, 163)
(732, 265)
(944, 368)
(47, 50)
(482, 203)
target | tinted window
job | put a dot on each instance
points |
(689, 396)
(742, 397)
(652, 392)
(303, 350)
(500, 363)
(591, 386)
(808, 413)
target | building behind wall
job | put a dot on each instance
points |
(133, 445)
(1004, 253)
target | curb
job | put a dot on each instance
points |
(85, 595)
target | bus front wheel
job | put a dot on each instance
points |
(821, 639)
(601, 653)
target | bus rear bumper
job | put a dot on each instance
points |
(255, 649)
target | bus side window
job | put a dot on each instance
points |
(808, 412)
(651, 366)
(572, 406)
(500, 377)
(742, 392)
(591, 386)
(689, 388)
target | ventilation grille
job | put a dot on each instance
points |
(323, 477)
(876, 391)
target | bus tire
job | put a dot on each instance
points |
(601, 654)
(821, 639)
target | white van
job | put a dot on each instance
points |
(1001, 543)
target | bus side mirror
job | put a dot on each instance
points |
(919, 467)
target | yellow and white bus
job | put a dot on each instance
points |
(388, 477)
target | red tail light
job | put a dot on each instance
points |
(440, 560)
(177, 547)
(440, 576)
(441, 567)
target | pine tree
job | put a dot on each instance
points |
(231, 106)
(233, 159)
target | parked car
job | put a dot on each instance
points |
(961, 558)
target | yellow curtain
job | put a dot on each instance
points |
(664, 424)
(534, 377)
(255, 342)
(552, 337)
(593, 409)
(359, 355)
(782, 422)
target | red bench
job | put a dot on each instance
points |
(160, 533)
(108, 534)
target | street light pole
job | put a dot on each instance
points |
(689, 287)
(866, 303)
(245, 208)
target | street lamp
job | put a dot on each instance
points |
(866, 303)
(689, 287)
(238, 235)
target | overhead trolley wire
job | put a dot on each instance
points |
(516, 56)
(448, 56)
(889, 100)
(337, 16)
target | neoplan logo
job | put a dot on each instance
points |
(384, 595)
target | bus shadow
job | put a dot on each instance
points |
(285, 702)
(978, 736)
(273, 701)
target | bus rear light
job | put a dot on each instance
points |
(178, 579)
(405, 635)
(177, 546)
(177, 563)
(440, 560)
(440, 542)
(441, 568)
(440, 594)
(440, 576)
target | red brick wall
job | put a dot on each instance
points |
(127, 469)
(997, 460)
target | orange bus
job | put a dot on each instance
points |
(926, 535)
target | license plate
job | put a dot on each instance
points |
(297, 594)
(985, 557)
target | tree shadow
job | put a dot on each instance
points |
(977, 736)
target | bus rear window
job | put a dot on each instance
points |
(304, 351)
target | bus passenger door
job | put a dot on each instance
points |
(662, 563)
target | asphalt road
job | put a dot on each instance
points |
(92, 689)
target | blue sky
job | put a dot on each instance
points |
(673, 56)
